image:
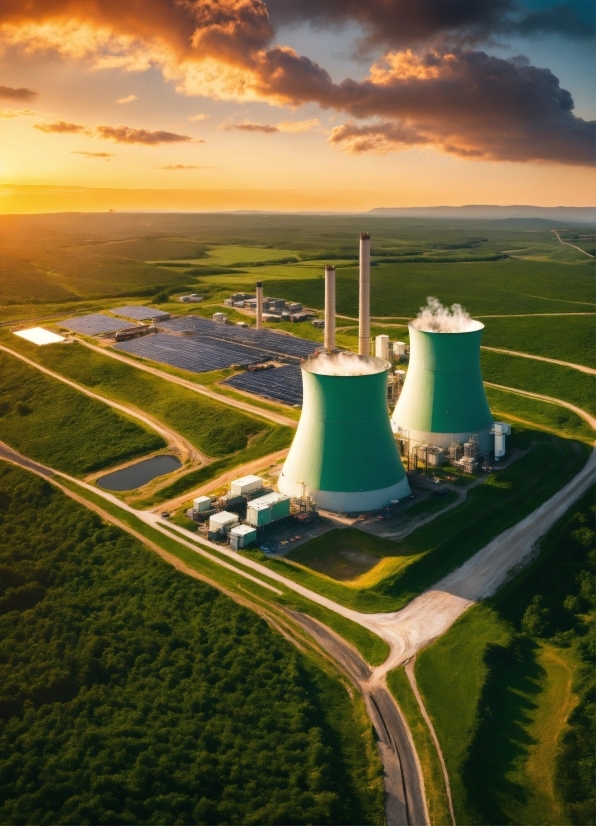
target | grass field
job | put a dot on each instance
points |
(54, 424)
(551, 416)
(212, 427)
(539, 377)
(430, 552)
(568, 338)
(516, 673)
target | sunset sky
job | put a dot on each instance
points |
(295, 104)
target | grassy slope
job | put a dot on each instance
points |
(65, 429)
(433, 550)
(540, 377)
(212, 427)
(514, 692)
(564, 338)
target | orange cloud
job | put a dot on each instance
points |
(8, 93)
(105, 155)
(174, 167)
(127, 134)
(60, 126)
(127, 99)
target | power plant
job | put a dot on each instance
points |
(344, 452)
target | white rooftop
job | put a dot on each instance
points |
(269, 499)
(223, 518)
(243, 530)
(37, 335)
(246, 480)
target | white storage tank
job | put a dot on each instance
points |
(222, 522)
(220, 318)
(382, 347)
(246, 485)
(202, 504)
(500, 430)
(242, 536)
(399, 349)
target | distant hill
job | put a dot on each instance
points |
(491, 212)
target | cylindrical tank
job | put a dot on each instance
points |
(443, 398)
(382, 347)
(344, 452)
(364, 296)
(329, 308)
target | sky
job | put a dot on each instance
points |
(295, 104)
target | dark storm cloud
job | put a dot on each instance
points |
(8, 93)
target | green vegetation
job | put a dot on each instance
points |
(519, 669)
(434, 784)
(373, 648)
(420, 559)
(123, 699)
(567, 338)
(551, 416)
(212, 427)
(54, 424)
(540, 377)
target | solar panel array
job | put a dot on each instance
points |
(272, 343)
(139, 312)
(281, 384)
(193, 353)
(95, 324)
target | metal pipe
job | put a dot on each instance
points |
(364, 296)
(259, 305)
(329, 308)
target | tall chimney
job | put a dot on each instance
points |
(364, 296)
(259, 305)
(329, 308)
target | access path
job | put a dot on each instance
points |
(581, 367)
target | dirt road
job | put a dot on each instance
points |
(252, 409)
(591, 420)
(567, 244)
(185, 450)
(581, 367)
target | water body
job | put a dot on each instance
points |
(137, 475)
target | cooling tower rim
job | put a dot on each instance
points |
(377, 365)
(477, 326)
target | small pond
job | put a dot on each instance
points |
(137, 475)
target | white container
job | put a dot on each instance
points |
(202, 503)
(241, 536)
(246, 485)
(219, 317)
(222, 521)
(399, 348)
(382, 347)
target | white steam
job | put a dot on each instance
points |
(434, 318)
(342, 364)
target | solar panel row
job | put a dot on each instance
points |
(95, 324)
(271, 342)
(193, 353)
(283, 384)
(139, 312)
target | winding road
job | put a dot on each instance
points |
(581, 367)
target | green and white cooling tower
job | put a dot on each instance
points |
(443, 397)
(344, 452)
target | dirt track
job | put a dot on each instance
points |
(581, 367)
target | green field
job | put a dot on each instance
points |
(554, 417)
(540, 377)
(54, 424)
(130, 692)
(519, 669)
(412, 564)
(567, 338)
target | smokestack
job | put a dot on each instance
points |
(329, 308)
(259, 305)
(364, 296)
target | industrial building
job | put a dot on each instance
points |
(344, 452)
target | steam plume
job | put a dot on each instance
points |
(434, 318)
(343, 364)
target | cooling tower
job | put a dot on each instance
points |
(344, 452)
(443, 398)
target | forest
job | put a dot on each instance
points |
(132, 693)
